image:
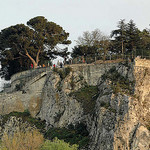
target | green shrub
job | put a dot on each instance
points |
(87, 96)
(77, 134)
(57, 144)
(62, 72)
(104, 104)
(72, 84)
(119, 83)
(26, 117)
(20, 85)
(148, 127)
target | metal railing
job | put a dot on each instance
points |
(91, 59)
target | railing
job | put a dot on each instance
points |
(92, 59)
(29, 74)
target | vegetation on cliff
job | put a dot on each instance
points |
(74, 135)
(62, 72)
(32, 139)
(77, 134)
(118, 82)
(87, 96)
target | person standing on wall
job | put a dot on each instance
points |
(31, 66)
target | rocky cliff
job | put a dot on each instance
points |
(114, 105)
(120, 116)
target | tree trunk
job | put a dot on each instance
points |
(37, 57)
(33, 61)
(122, 50)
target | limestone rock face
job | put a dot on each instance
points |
(13, 124)
(27, 98)
(73, 82)
(121, 120)
(58, 109)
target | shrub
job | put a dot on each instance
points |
(72, 84)
(57, 144)
(31, 139)
(119, 83)
(26, 117)
(77, 134)
(104, 104)
(87, 96)
(20, 85)
(62, 72)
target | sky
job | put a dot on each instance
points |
(77, 16)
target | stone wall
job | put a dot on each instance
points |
(34, 86)
(121, 124)
(92, 72)
(142, 62)
(26, 76)
(28, 98)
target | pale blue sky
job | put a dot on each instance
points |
(76, 16)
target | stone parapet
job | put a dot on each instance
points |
(142, 62)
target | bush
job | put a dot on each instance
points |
(62, 72)
(26, 117)
(119, 83)
(87, 96)
(20, 85)
(57, 144)
(31, 139)
(77, 134)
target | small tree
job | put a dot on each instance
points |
(120, 36)
(94, 43)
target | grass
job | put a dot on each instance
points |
(87, 96)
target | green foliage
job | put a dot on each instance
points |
(107, 106)
(20, 85)
(87, 96)
(118, 82)
(129, 40)
(148, 127)
(22, 45)
(91, 44)
(104, 104)
(57, 144)
(73, 134)
(26, 117)
(62, 72)
(72, 84)
(83, 50)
